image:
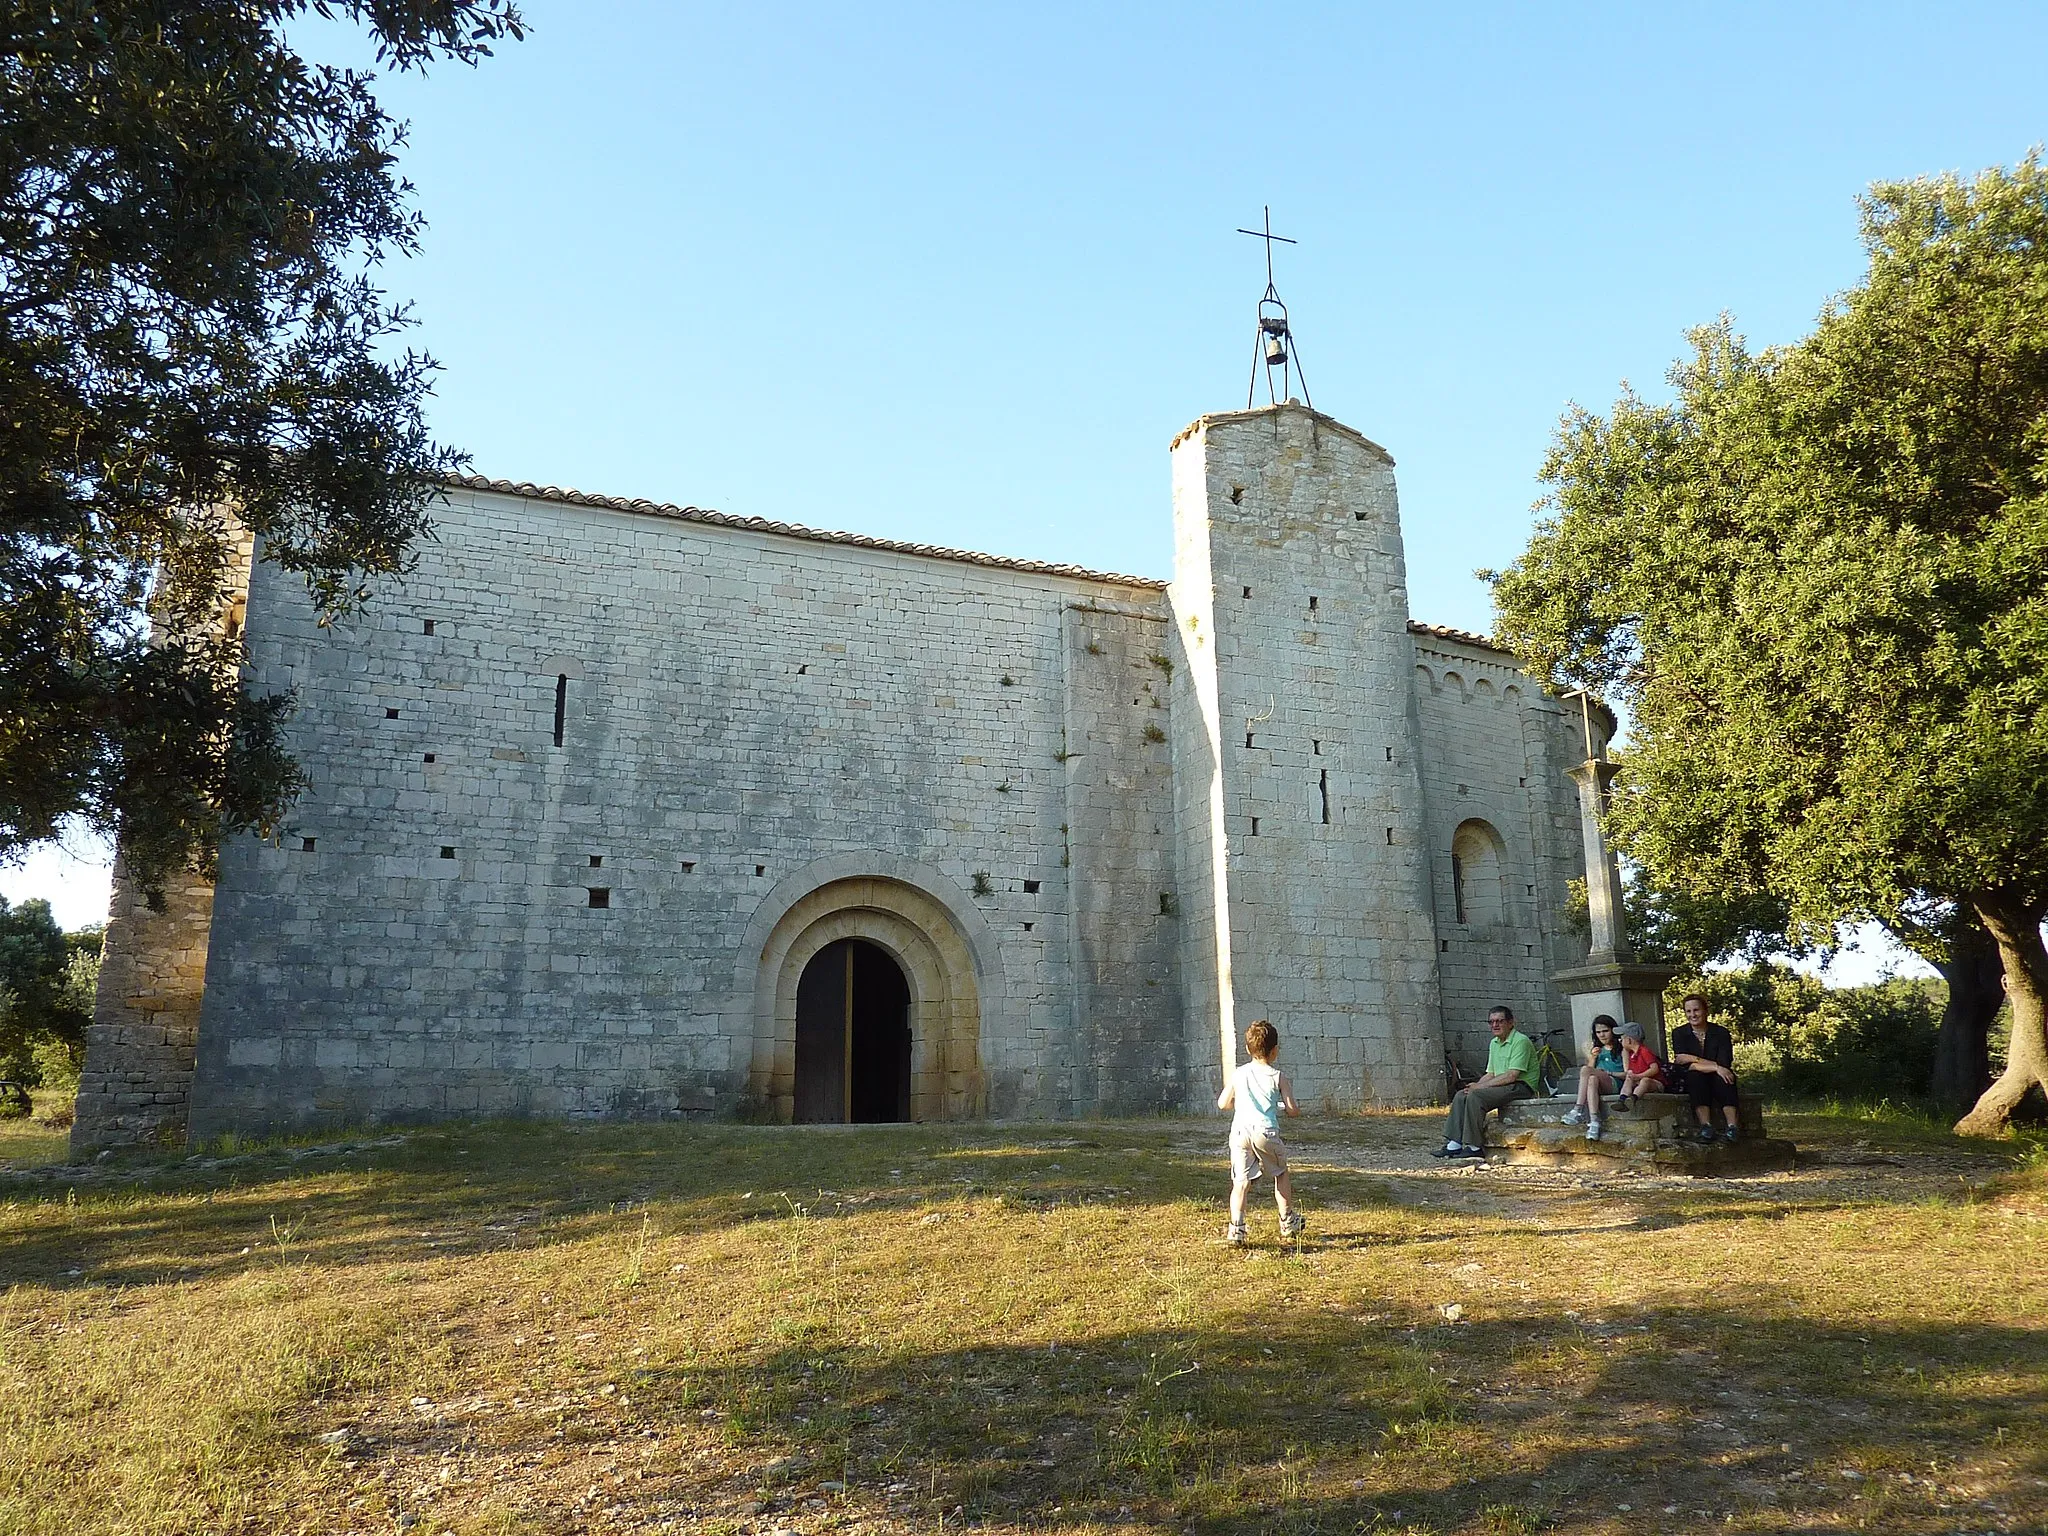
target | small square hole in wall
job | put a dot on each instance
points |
(447, 852)
(1358, 517)
(1443, 946)
(1311, 605)
(1523, 782)
(1030, 887)
(600, 895)
(597, 861)
(428, 758)
(306, 844)
(426, 626)
(760, 869)
(1027, 927)
(390, 714)
(689, 866)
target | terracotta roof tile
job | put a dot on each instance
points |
(790, 530)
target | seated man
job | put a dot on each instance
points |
(1704, 1054)
(1510, 1075)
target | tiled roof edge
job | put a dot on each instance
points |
(1445, 632)
(648, 508)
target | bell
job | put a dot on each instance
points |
(1276, 348)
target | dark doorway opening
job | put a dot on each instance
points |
(852, 1037)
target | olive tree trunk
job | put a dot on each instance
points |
(2016, 925)
(1976, 989)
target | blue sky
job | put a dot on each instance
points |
(958, 274)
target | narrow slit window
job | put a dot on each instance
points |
(1255, 826)
(1323, 788)
(760, 869)
(1390, 837)
(1316, 747)
(1458, 887)
(1247, 591)
(1390, 754)
(1311, 605)
(1247, 738)
(426, 626)
(600, 895)
(561, 704)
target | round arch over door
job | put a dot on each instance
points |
(917, 933)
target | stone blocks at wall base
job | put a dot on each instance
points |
(143, 1041)
(1656, 1136)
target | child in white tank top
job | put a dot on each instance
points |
(1258, 1094)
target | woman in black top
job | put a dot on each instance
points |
(1704, 1054)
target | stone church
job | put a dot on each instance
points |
(626, 809)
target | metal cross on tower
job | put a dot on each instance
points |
(1273, 343)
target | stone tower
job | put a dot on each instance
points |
(1299, 799)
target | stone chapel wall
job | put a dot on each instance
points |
(1503, 829)
(735, 707)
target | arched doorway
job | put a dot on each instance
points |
(852, 1037)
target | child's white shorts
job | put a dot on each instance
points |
(1257, 1151)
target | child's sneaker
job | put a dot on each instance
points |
(1626, 1101)
(1706, 1133)
(1733, 1133)
(1592, 1130)
(1235, 1234)
(1291, 1225)
(1576, 1117)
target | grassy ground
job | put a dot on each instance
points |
(729, 1329)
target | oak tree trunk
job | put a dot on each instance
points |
(1976, 989)
(2016, 925)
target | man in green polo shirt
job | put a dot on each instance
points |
(1510, 1075)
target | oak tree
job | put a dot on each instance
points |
(193, 345)
(1818, 579)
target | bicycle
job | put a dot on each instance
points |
(1554, 1072)
(1456, 1078)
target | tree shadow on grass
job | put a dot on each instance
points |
(1316, 1423)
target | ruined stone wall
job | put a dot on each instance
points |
(1301, 796)
(1495, 751)
(737, 708)
(141, 1044)
(141, 1047)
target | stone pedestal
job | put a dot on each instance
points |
(1657, 1136)
(1628, 992)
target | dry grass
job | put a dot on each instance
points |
(542, 1329)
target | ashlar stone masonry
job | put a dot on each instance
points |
(623, 809)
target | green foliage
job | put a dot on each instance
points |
(1816, 578)
(190, 346)
(46, 985)
(1864, 1044)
